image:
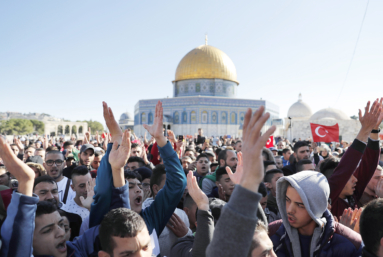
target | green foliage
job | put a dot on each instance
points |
(94, 125)
(38, 126)
(16, 127)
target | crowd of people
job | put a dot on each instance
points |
(116, 194)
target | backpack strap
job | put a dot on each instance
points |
(66, 190)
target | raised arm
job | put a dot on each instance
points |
(104, 179)
(159, 212)
(235, 229)
(18, 227)
(351, 158)
(370, 158)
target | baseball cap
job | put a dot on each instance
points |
(86, 147)
(273, 149)
(35, 159)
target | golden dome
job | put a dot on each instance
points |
(206, 62)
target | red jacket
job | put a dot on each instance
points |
(347, 166)
(154, 153)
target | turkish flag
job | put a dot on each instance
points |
(270, 142)
(326, 134)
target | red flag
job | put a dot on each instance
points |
(270, 142)
(325, 134)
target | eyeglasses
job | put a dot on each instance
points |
(50, 162)
(145, 185)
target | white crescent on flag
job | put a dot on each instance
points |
(317, 132)
(269, 141)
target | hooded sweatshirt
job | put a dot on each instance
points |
(314, 191)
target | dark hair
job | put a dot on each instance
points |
(301, 163)
(45, 207)
(79, 171)
(67, 143)
(285, 150)
(188, 201)
(13, 145)
(136, 159)
(328, 166)
(120, 222)
(44, 178)
(54, 152)
(260, 226)
(40, 149)
(267, 163)
(239, 141)
(157, 176)
(300, 144)
(63, 213)
(262, 189)
(222, 156)
(270, 174)
(128, 174)
(134, 145)
(30, 147)
(202, 155)
(189, 149)
(371, 225)
(220, 172)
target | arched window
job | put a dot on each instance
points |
(204, 117)
(233, 118)
(67, 130)
(80, 130)
(224, 118)
(150, 118)
(193, 117)
(74, 129)
(143, 118)
(176, 118)
(184, 117)
(214, 117)
(60, 130)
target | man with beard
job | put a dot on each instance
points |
(225, 158)
(86, 157)
(54, 165)
(46, 189)
(301, 152)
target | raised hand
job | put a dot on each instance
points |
(19, 144)
(156, 130)
(144, 156)
(45, 142)
(199, 197)
(380, 118)
(371, 115)
(221, 193)
(172, 137)
(106, 141)
(236, 177)
(24, 174)
(112, 124)
(118, 157)
(253, 142)
(86, 203)
(350, 218)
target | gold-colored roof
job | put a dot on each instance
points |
(206, 62)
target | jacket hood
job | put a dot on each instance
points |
(314, 191)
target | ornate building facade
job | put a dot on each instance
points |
(204, 96)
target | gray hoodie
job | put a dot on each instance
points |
(314, 191)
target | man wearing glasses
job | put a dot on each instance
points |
(54, 165)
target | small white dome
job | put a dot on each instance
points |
(329, 113)
(299, 109)
(126, 116)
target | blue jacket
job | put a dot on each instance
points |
(18, 227)
(158, 214)
(336, 240)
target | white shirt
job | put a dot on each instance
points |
(61, 188)
(72, 207)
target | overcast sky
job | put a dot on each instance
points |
(66, 57)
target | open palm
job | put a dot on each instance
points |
(236, 177)
(156, 130)
(119, 155)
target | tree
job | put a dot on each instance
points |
(38, 126)
(16, 127)
(94, 126)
